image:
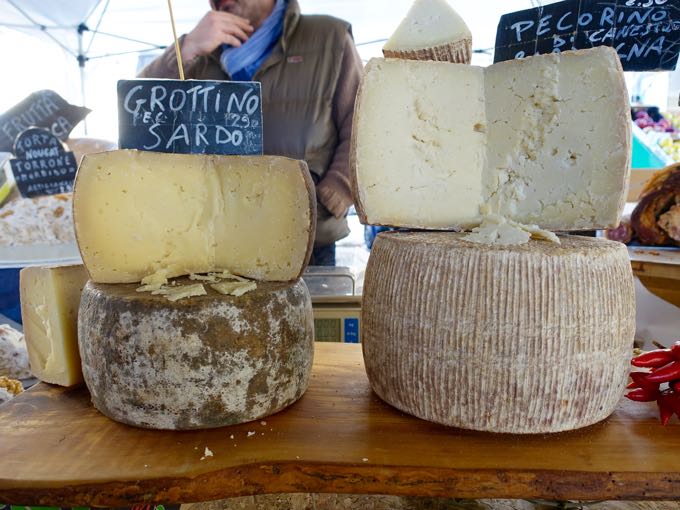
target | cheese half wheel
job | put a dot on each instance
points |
(139, 213)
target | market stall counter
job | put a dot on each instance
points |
(340, 437)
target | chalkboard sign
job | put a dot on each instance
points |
(45, 109)
(645, 33)
(190, 116)
(42, 166)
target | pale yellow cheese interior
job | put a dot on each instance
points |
(417, 147)
(50, 297)
(544, 140)
(140, 213)
(428, 23)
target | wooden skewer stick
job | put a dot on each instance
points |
(174, 33)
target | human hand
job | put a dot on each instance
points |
(214, 29)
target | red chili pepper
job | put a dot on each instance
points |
(657, 358)
(641, 380)
(674, 399)
(665, 374)
(675, 350)
(665, 408)
(675, 386)
(643, 395)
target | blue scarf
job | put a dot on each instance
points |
(242, 62)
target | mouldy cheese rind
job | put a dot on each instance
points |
(137, 213)
(524, 339)
(50, 296)
(203, 362)
(543, 140)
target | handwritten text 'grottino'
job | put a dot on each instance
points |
(157, 106)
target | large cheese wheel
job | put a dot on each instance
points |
(200, 362)
(522, 339)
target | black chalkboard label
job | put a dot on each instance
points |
(45, 109)
(190, 116)
(645, 33)
(42, 166)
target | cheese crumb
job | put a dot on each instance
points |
(234, 288)
(251, 433)
(154, 281)
(497, 229)
(364, 459)
(207, 453)
(227, 275)
(231, 436)
(184, 291)
(263, 423)
(210, 277)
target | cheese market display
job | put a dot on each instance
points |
(431, 30)
(140, 213)
(50, 297)
(543, 140)
(206, 361)
(522, 339)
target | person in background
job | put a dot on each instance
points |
(310, 71)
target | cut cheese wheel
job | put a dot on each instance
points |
(50, 297)
(533, 338)
(431, 30)
(140, 213)
(544, 140)
(199, 362)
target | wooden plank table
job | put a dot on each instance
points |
(56, 449)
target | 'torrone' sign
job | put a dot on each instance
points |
(190, 116)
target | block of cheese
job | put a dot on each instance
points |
(50, 296)
(524, 339)
(431, 30)
(139, 213)
(544, 140)
(200, 362)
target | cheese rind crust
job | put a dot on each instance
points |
(137, 213)
(524, 339)
(203, 362)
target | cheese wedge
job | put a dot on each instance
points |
(544, 141)
(431, 30)
(50, 297)
(138, 214)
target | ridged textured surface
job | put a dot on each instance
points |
(522, 339)
(202, 362)
(459, 52)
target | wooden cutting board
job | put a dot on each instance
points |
(56, 449)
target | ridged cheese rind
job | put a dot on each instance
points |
(524, 339)
(137, 213)
(199, 362)
(544, 140)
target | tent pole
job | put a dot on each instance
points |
(81, 65)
